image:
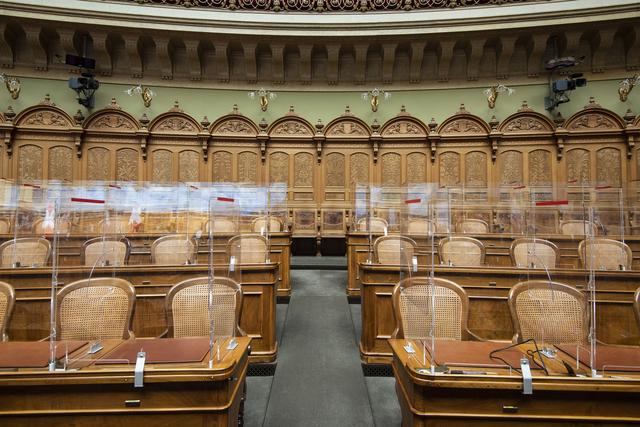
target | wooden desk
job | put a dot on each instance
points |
(30, 321)
(173, 393)
(279, 251)
(497, 399)
(488, 289)
(497, 251)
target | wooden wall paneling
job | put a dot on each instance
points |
(237, 135)
(408, 136)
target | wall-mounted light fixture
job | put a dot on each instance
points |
(13, 85)
(626, 86)
(145, 92)
(263, 97)
(373, 96)
(493, 92)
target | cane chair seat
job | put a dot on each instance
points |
(394, 250)
(376, 224)
(534, 253)
(259, 225)
(173, 250)
(417, 301)
(248, 249)
(548, 312)
(461, 251)
(576, 227)
(420, 226)
(7, 301)
(605, 254)
(472, 226)
(187, 308)
(222, 225)
(96, 308)
(105, 251)
(25, 252)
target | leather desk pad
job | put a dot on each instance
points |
(476, 353)
(159, 350)
(608, 357)
(33, 354)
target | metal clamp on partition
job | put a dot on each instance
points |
(527, 381)
(139, 370)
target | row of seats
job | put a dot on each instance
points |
(468, 226)
(102, 308)
(122, 225)
(460, 251)
(101, 251)
(542, 310)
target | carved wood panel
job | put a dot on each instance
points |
(222, 166)
(30, 163)
(475, 169)
(188, 166)
(359, 168)
(303, 170)
(162, 166)
(449, 166)
(578, 166)
(334, 170)
(60, 163)
(511, 168)
(248, 167)
(98, 164)
(416, 167)
(391, 169)
(540, 168)
(608, 166)
(127, 164)
(279, 167)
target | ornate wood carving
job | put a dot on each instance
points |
(578, 166)
(188, 166)
(591, 121)
(162, 166)
(98, 163)
(45, 118)
(347, 128)
(291, 128)
(127, 164)
(334, 170)
(540, 168)
(30, 163)
(247, 167)
(403, 128)
(234, 126)
(475, 169)
(279, 167)
(175, 124)
(359, 168)
(416, 168)
(449, 168)
(462, 126)
(222, 166)
(391, 169)
(608, 166)
(61, 163)
(303, 170)
(112, 121)
(511, 168)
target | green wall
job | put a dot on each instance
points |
(312, 105)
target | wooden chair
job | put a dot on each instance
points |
(248, 249)
(413, 310)
(222, 225)
(378, 225)
(96, 308)
(25, 252)
(472, 226)
(7, 301)
(548, 312)
(534, 253)
(576, 227)
(259, 225)
(101, 251)
(63, 227)
(605, 254)
(394, 250)
(191, 223)
(174, 249)
(187, 308)
(418, 226)
(461, 251)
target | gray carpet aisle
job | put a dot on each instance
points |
(319, 380)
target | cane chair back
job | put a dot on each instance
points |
(173, 250)
(461, 251)
(576, 227)
(7, 301)
(394, 250)
(259, 225)
(605, 254)
(548, 312)
(222, 225)
(105, 251)
(417, 301)
(420, 226)
(96, 308)
(377, 225)
(534, 253)
(248, 249)
(472, 226)
(187, 308)
(25, 252)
